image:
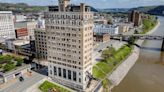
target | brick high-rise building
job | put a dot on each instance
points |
(136, 18)
(69, 44)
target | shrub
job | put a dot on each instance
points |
(9, 67)
(1, 65)
(19, 61)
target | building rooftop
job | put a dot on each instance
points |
(105, 26)
(5, 12)
(21, 42)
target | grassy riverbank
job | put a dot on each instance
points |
(111, 60)
(149, 23)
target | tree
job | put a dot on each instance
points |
(9, 67)
(107, 53)
(106, 85)
(131, 40)
(19, 61)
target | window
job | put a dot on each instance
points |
(74, 76)
(69, 74)
(50, 72)
(59, 70)
(80, 80)
(55, 73)
(64, 73)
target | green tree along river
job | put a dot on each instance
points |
(147, 75)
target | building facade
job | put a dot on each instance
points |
(19, 18)
(69, 44)
(41, 43)
(21, 33)
(136, 18)
(6, 25)
(101, 37)
(30, 25)
(108, 29)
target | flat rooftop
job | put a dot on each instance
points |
(4, 12)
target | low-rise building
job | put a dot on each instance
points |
(19, 71)
(100, 37)
(30, 25)
(109, 29)
(100, 20)
(19, 18)
(21, 33)
(124, 27)
(19, 46)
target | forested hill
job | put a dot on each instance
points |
(21, 7)
(155, 10)
(25, 8)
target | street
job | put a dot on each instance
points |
(24, 85)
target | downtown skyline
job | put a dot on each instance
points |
(94, 3)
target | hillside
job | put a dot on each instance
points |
(155, 10)
(20, 7)
(25, 8)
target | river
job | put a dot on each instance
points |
(147, 75)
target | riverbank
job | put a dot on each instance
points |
(118, 75)
(147, 74)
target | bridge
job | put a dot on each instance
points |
(141, 37)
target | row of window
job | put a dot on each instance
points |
(65, 22)
(68, 60)
(67, 74)
(69, 16)
(66, 65)
(5, 17)
(68, 28)
(63, 45)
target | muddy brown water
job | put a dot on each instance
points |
(147, 75)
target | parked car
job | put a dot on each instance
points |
(21, 79)
(100, 51)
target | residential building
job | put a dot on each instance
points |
(41, 43)
(109, 29)
(6, 25)
(100, 37)
(69, 44)
(136, 18)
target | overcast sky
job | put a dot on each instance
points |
(95, 3)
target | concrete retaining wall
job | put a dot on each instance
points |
(118, 75)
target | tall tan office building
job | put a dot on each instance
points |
(69, 44)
